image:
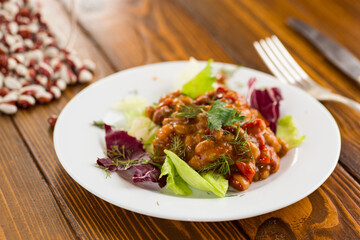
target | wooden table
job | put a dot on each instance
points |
(39, 200)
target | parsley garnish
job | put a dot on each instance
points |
(218, 115)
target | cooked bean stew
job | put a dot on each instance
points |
(251, 150)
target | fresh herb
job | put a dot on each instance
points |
(207, 136)
(189, 111)
(226, 132)
(221, 165)
(241, 146)
(177, 146)
(123, 158)
(99, 124)
(219, 115)
(108, 174)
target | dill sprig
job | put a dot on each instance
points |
(207, 136)
(123, 158)
(108, 174)
(99, 124)
(241, 146)
(189, 111)
(155, 154)
(177, 146)
(221, 165)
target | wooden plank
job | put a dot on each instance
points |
(328, 212)
(146, 32)
(90, 216)
(137, 33)
(28, 208)
(318, 67)
(259, 19)
(263, 18)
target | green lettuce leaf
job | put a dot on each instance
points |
(217, 180)
(287, 131)
(215, 184)
(173, 180)
(201, 83)
(132, 107)
(143, 129)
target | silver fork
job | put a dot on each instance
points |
(284, 67)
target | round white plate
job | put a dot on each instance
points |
(302, 170)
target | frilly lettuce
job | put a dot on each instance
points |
(287, 131)
(140, 127)
(132, 107)
(145, 130)
(173, 179)
(201, 83)
(210, 181)
(188, 73)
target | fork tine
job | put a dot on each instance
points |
(284, 61)
(269, 63)
(276, 62)
(294, 65)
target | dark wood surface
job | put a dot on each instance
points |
(39, 200)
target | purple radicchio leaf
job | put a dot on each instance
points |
(109, 164)
(266, 101)
(133, 150)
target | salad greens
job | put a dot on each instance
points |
(173, 179)
(132, 149)
(145, 130)
(266, 101)
(287, 131)
(124, 152)
(201, 83)
(216, 184)
(132, 107)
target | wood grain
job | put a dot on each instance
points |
(323, 213)
(263, 18)
(24, 195)
(122, 34)
(146, 31)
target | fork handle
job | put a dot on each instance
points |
(347, 101)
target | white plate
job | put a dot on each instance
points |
(302, 170)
